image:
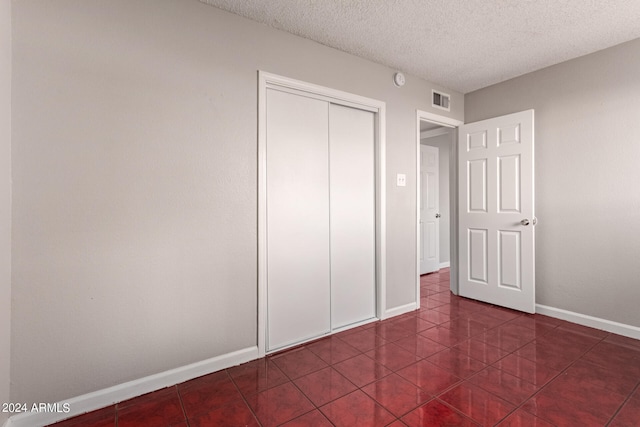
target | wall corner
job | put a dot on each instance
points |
(5, 203)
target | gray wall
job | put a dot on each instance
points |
(587, 178)
(443, 142)
(5, 200)
(134, 194)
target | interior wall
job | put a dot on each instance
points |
(443, 142)
(586, 170)
(5, 201)
(135, 170)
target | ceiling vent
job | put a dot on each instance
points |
(440, 100)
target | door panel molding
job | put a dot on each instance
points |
(429, 208)
(498, 197)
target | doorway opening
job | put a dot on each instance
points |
(435, 145)
(436, 197)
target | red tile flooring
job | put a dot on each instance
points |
(454, 362)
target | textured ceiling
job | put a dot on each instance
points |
(460, 44)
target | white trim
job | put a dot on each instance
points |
(262, 213)
(592, 322)
(397, 311)
(438, 119)
(445, 264)
(118, 393)
(273, 81)
(319, 92)
(450, 123)
(381, 210)
(434, 132)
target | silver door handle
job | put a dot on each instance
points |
(437, 215)
(524, 222)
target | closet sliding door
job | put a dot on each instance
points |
(352, 213)
(298, 258)
(320, 216)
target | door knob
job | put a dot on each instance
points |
(524, 222)
(437, 215)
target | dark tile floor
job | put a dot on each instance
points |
(454, 362)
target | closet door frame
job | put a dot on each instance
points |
(285, 84)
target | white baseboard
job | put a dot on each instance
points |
(396, 311)
(593, 322)
(445, 264)
(108, 396)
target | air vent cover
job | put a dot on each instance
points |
(440, 100)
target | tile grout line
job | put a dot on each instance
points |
(629, 397)
(452, 386)
(554, 378)
(513, 352)
(517, 407)
(184, 411)
(244, 399)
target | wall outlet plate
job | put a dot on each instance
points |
(401, 180)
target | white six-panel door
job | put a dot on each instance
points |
(496, 211)
(429, 206)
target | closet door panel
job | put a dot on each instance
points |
(352, 212)
(298, 276)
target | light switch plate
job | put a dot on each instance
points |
(401, 180)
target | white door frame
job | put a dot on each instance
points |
(453, 196)
(273, 81)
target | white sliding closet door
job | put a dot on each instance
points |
(320, 217)
(352, 213)
(298, 276)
